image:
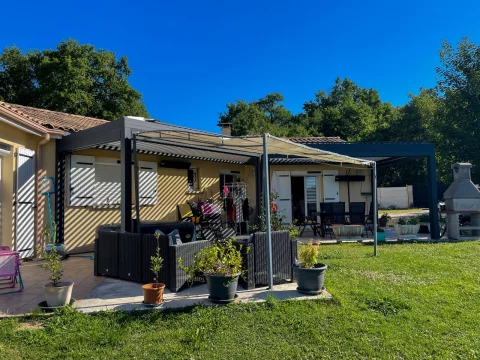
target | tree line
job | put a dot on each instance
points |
(80, 79)
(447, 115)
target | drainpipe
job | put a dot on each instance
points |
(37, 213)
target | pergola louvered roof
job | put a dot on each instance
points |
(253, 145)
(149, 148)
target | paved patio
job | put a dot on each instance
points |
(78, 269)
(94, 293)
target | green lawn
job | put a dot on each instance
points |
(411, 302)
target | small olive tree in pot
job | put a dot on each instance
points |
(309, 272)
(153, 293)
(221, 264)
(57, 293)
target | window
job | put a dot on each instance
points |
(227, 178)
(193, 180)
(97, 181)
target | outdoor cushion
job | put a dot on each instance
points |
(175, 238)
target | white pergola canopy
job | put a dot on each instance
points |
(249, 144)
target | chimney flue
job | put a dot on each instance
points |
(226, 129)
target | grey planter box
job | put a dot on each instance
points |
(348, 232)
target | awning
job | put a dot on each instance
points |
(252, 145)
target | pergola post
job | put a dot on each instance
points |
(433, 197)
(126, 182)
(374, 205)
(266, 198)
(137, 182)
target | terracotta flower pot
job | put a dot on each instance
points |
(153, 293)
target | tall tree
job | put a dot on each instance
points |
(72, 78)
(459, 125)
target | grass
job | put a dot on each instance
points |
(400, 211)
(413, 301)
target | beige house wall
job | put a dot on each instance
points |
(18, 138)
(81, 222)
(356, 188)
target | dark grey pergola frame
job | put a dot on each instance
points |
(124, 131)
(396, 152)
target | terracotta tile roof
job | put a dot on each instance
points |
(52, 119)
(317, 140)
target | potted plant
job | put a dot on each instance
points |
(424, 220)
(221, 264)
(57, 293)
(49, 236)
(153, 292)
(382, 222)
(309, 272)
(381, 235)
(407, 226)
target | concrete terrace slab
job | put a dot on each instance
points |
(114, 294)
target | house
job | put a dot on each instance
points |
(84, 156)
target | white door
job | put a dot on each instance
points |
(25, 203)
(331, 188)
(284, 189)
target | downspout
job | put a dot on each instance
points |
(38, 196)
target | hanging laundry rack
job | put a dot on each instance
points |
(236, 206)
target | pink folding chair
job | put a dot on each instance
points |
(10, 271)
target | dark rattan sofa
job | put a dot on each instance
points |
(284, 250)
(127, 255)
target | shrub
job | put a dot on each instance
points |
(222, 259)
(53, 265)
(156, 261)
(424, 218)
(308, 255)
(410, 221)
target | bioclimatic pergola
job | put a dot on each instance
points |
(132, 135)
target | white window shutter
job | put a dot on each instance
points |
(147, 174)
(82, 180)
(108, 182)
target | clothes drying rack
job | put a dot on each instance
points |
(235, 192)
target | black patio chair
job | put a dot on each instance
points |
(357, 213)
(326, 218)
(338, 213)
(369, 220)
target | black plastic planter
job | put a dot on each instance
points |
(310, 280)
(222, 289)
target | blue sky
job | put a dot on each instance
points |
(191, 58)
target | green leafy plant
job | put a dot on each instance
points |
(409, 221)
(53, 265)
(385, 216)
(156, 261)
(424, 218)
(277, 220)
(47, 235)
(223, 259)
(308, 255)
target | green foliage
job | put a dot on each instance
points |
(73, 78)
(53, 265)
(276, 219)
(308, 254)
(408, 221)
(424, 218)
(223, 259)
(447, 115)
(156, 261)
(385, 216)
